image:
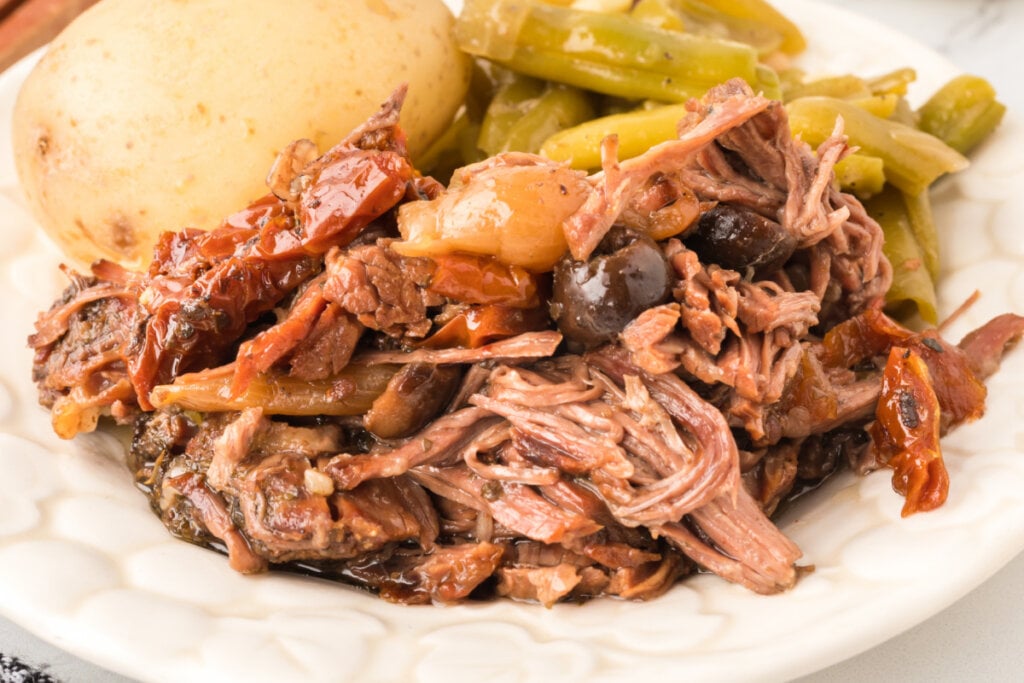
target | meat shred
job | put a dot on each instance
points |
(529, 472)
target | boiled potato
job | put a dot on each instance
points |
(139, 120)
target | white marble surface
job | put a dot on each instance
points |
(981, 637)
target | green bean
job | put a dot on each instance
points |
(448, 144)
(608, 105)
(919, 212)
(913, 159)
(637, 130)
(560, 107)
(861, 174)
(962, 113)
(912, 286)
(704, 18)
(893, 83)
(455, 148)
(526, 112)
(883, 89)
(351, 392)
(791, 77)
(658, 13)
(512, 100)
(759, 13)
(767, 83)
(904, 113)
(612, 54)
(882, 106)
(844, 87)
(485, 80)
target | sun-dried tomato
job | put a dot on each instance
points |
(476, 279)
(960, 393)
(861, 337)
(206, 288)
(479, 325)
(906, 432)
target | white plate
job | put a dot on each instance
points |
(85, 564)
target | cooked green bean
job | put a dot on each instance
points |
(637, 130)
(512, 100)
(893, 83)
(658, 13)
(704, 18)
(912, 285)
(844, 87)
(962, 113)
(879, 95)
(913, 159)
(351, 392)
(449, 146)
(608, 105)
(767, 83)
(526, 111)
(904, 113)
(882, 106)
(612, 54)
(919, 212)
(456, 146)
(861, 174)
(757, 13)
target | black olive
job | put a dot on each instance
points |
(592, 301)
(737, 238)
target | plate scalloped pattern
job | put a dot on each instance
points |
(85, 564)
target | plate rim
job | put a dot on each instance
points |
(44, 627)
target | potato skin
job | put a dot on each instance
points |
(136, 122)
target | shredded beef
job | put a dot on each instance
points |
(985, 346)
(384, 291)
(81, 364)
(430, 438)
